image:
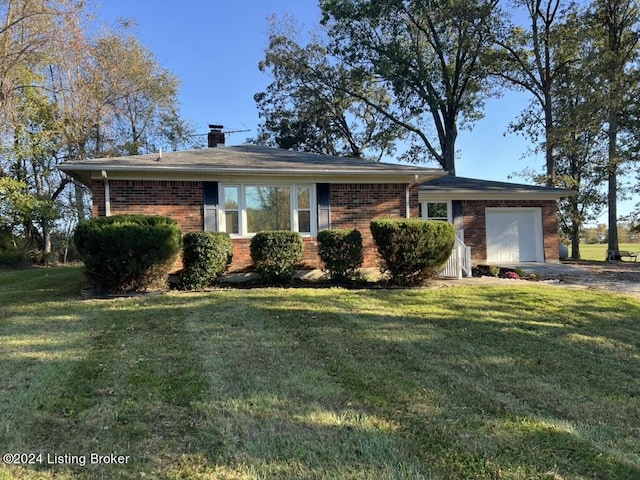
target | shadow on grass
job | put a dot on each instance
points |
(445, 384)
(344, 384)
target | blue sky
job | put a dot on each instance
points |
(214, 48)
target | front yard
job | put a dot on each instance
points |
(514, 381)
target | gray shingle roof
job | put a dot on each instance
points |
(243, 159)
(454, 185)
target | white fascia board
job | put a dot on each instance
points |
(336, 176)
(466, 195)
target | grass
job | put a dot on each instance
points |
(506, 382)
(598, 251)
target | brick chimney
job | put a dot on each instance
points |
(215, 137)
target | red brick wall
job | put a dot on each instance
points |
(352, 206)
(475, 233)
(355, 205)
(182, 201)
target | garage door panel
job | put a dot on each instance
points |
(513, 235)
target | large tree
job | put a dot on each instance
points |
(580, 148)
(137, 93)
(530, 57)
(430, 56)
(76, 97)
(616, 28)
(314, 102)
(28, 34)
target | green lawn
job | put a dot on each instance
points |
(507, 382)
(598, 251)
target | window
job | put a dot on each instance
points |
(268, 208)
(249, 209)
(231, 210)
(436, 211)
(303, 209)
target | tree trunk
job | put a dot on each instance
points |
(449, 147)
(80, 207)
(46, 242)
(548, 127)
(575, 239)
(613, 246)
(576, 223)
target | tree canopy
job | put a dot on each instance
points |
(315, 101)
(429, 55)
(68, 94)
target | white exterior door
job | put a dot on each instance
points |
(514, 235)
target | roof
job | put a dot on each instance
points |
(461, 188)
(243, 160)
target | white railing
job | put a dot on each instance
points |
(459, 263)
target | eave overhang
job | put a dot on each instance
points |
(451, 187)
(88, 171)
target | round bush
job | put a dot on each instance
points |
(412, 250)
(205, 256)
(275, 255)
(341, 252)
(128, 253)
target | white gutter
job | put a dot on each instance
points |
(408, 196)
(107, 194)
(252, 170)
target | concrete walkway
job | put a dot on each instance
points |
(548, 270)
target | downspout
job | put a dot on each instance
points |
(107, 195)
(408, 196)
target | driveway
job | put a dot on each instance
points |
(620, 277)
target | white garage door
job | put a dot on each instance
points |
(514, 235)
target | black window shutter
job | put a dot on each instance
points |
(323, 192)
(210, 206)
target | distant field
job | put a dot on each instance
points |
(599, 250)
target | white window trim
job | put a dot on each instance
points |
(242, 209)
(425, 209)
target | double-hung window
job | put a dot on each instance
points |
(231, 209)
(252, 208)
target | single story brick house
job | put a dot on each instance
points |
(244, 189)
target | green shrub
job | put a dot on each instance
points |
(275, 254)
(14, 259)
(128, 253)
(412, 250)
(15, 252)
(341, 252)
(205, 256)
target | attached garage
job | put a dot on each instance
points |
(502, 223)
(514, 235)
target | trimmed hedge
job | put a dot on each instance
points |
(341, 252)
(128, 253)
(205, 256)
(413, 250)
(275, 254)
